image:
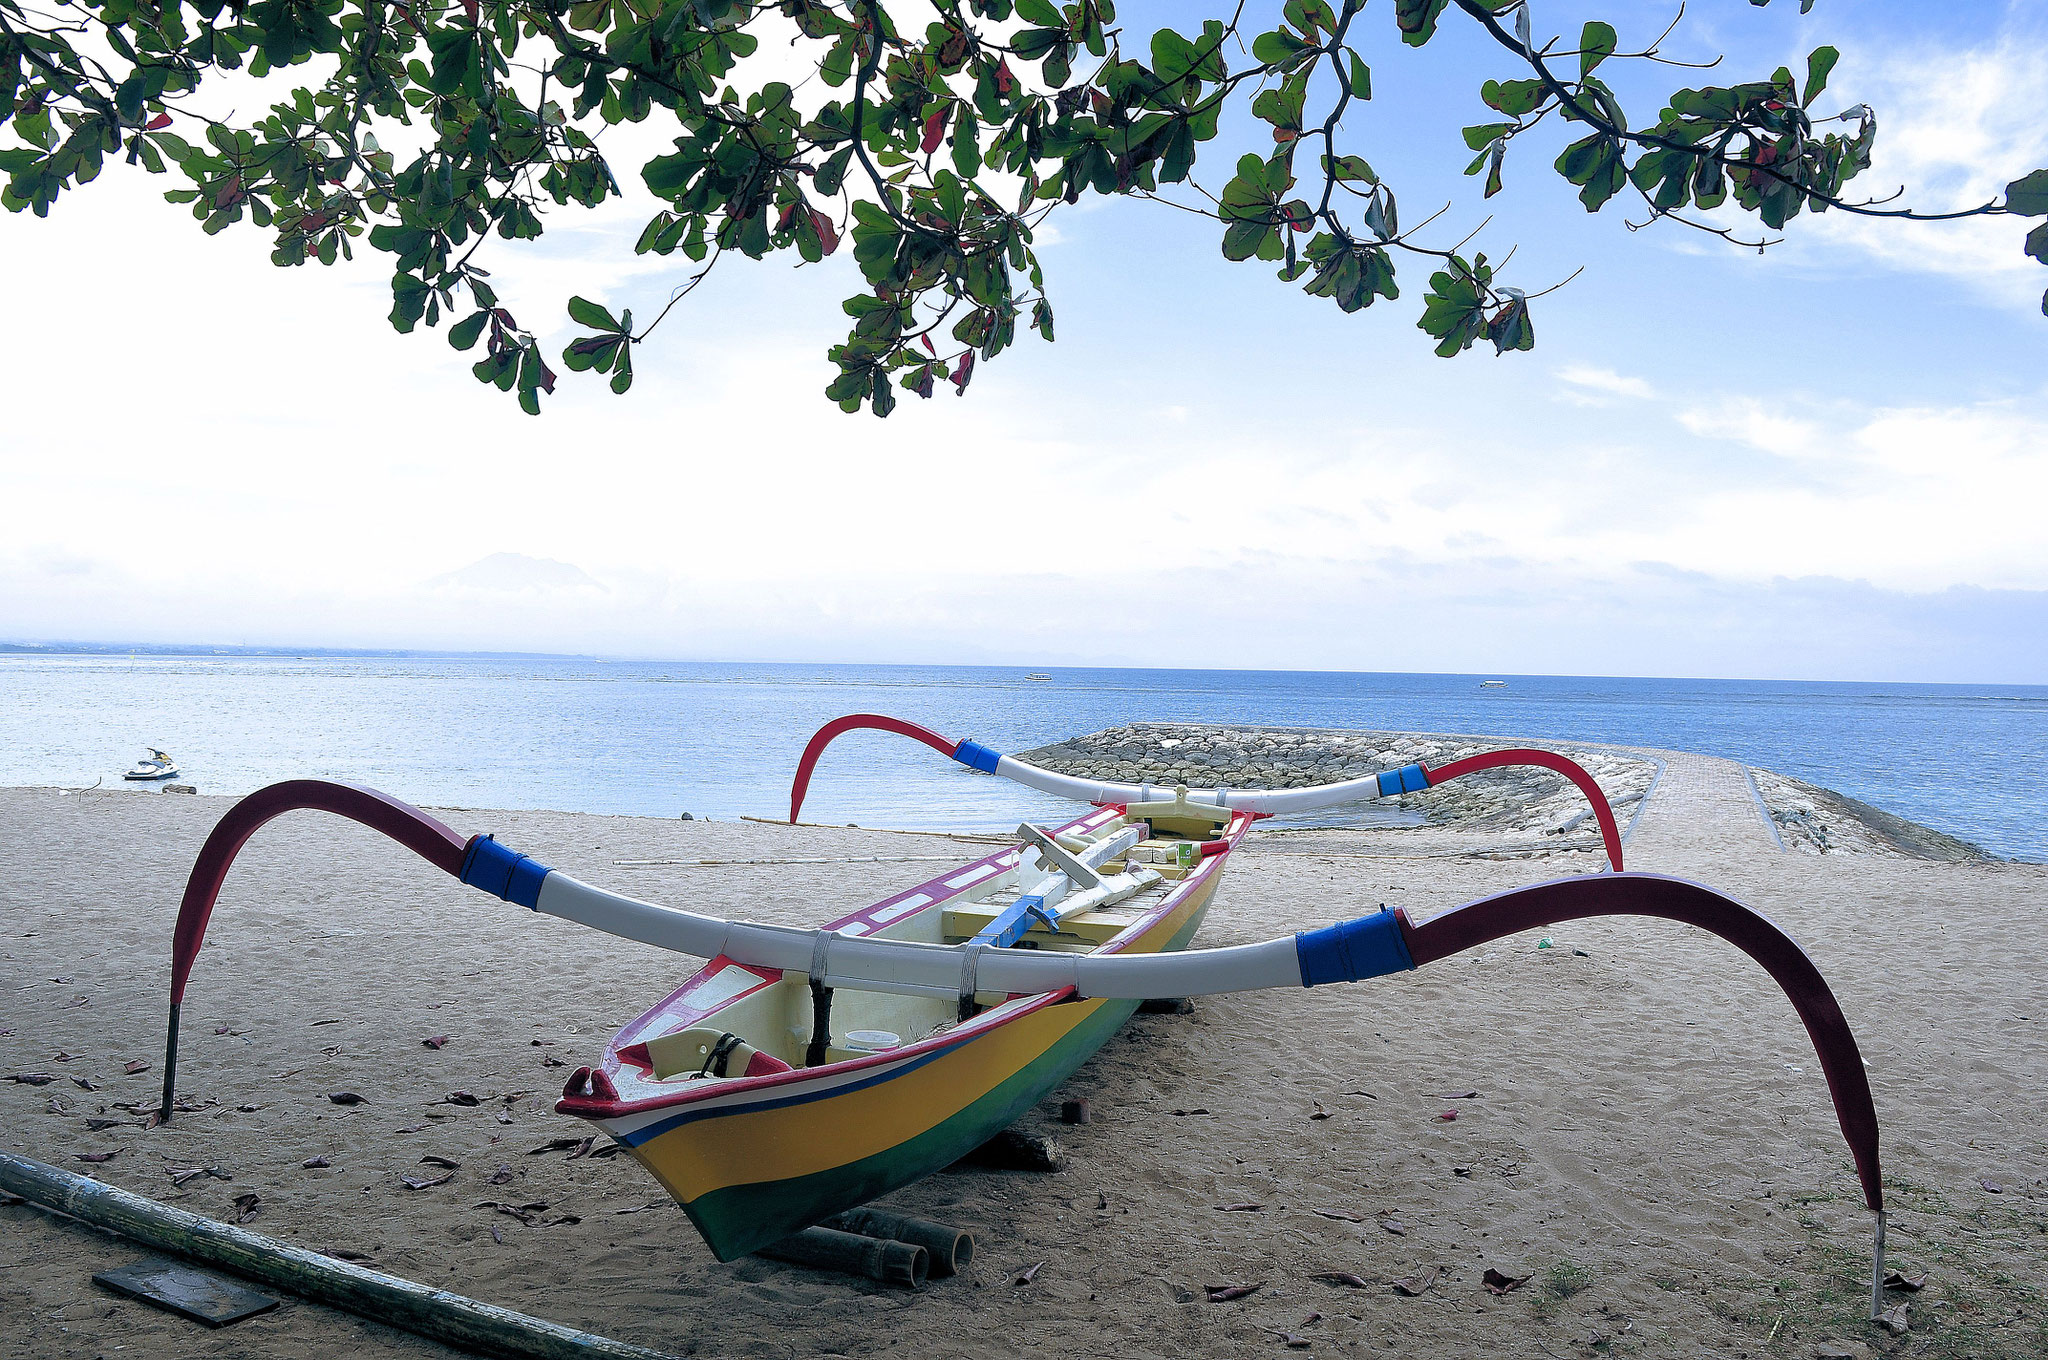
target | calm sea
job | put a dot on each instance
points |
(663, 738)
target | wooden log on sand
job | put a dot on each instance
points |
(952, 1249)
(898, 1263)
(432, 1313)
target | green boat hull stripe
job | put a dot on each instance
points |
(741, 1218)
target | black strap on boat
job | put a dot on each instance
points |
(821, 1024)
(970, 976)
(715, 1060)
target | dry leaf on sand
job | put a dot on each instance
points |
(1224, 1293)
(1498, 1283)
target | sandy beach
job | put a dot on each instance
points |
(1641, 1126)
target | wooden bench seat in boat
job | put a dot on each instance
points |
(1085, 930)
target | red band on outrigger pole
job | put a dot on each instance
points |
(402, 822)
(945, 746)
(1675, 899)
(1549, 760)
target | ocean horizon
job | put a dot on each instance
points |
(721, 739)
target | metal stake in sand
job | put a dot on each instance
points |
(432, 1313)
(1877, 1272)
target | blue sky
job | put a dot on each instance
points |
(1825, 462)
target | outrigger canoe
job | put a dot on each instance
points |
(804, 1071)
(764, 1104)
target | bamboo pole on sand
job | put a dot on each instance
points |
(432, 1313)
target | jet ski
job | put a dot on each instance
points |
(157, 766)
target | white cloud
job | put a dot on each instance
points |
(1749, 421)
(1955, 126)
(1587, 385)
(517, 574)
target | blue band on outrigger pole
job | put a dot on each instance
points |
(1352, 951)
(1407, 779)
(974, 754)
(503, 872)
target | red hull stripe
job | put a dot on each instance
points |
(687, 1115)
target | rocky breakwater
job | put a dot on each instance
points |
(1815, 821)
(1513, 804)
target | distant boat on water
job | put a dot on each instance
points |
(157, 766)
(1493, 684)
(1038, 675)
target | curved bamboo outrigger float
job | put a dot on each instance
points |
(1263, 802)
(1006, 974)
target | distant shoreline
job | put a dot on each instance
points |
(1514, 811)
(1023, 669)
(719, 738)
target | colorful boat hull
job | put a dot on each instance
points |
(760, 1163)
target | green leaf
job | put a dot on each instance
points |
(1242, 240)
(2028, 196)
(1513, 97)
(1417, 19)
(2037, 243)
(1360, 79)
(590, 314)
(1349, 167)
(1178, 157)
(966, 143)
(1596, 44)
(408, 301)
(1033, 43)
(464, 333)
(1819, 62)
(1511, 328)
(832, 173)
(1486, 134)
(591, 351)
(1279, 48)
(837, 68)
(1173, 57)
(1709, 185)
(1310, 16)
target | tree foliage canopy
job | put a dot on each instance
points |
(934, 136)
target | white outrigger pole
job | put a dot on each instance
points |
(1370, 946)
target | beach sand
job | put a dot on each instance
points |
(1650, 1137)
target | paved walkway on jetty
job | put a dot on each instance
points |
(1702, 808)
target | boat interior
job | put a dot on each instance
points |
(1073, 889)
